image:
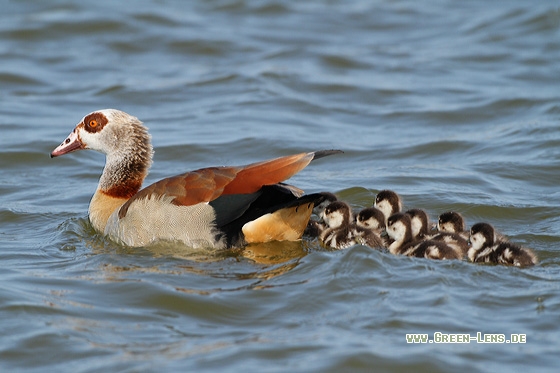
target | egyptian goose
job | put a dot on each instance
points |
(215, 207)
(420, 227)
(388, 202)
(372, 218)
(420, 230)
(452, 222)
(340, 232)
(486, 247)
(315, 227)
(419, 223)
(400, 230)
(451, 230)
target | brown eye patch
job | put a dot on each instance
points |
(95, 122)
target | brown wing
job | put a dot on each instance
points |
(252, 177)
(207, 184)
(188, 189)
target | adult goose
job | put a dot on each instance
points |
(215, 207)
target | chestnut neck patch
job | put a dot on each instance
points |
(124, 191)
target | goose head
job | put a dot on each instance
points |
(388, 202)
(111, 132)
(481, 236)
(371, 218)
(398, 227)
(125, 142)
(451, 221)
(337, 214)
(419, 223)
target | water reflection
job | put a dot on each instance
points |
(249, 267)
(274, 252)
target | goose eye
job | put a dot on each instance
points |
(93, 123)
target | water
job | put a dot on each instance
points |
(455, 105)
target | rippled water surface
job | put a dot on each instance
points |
(455, 105)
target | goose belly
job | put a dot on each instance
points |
(150, 220)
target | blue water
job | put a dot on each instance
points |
(454, 105)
